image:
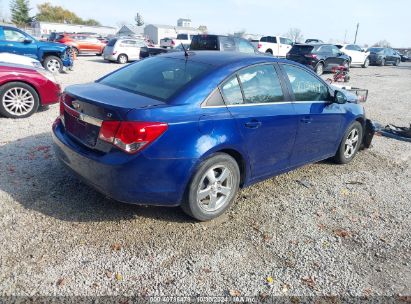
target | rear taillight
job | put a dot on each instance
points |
(260, 45)
(131, 136)
(114, 53)
(313, 56)
(172, 42)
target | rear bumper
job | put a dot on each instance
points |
(133, 179)
(109, 57)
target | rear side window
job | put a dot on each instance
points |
(245, 47)
(261, 84)
(272, 39)
(204, 42)
(232, 91)
(306, 87)
(112, 42)
(156, 77)
(227, 44)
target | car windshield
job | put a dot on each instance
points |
(156, 77)
(376, 50)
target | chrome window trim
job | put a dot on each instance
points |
(265, 104)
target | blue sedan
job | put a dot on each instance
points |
(190, 129)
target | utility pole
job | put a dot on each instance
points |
(356, 33)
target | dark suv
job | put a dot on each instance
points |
(383, 56)
(319, 57)
(221, 43)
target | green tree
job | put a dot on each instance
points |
(20, 12)
(50, 13)
(139, 20)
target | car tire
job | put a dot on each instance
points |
(319, 69)
(76, 51)
(269, 52)
(122, 58)
(382, 62)
(397, 62)
(350, 144)
(347, 64)
(218, 179)
(12, 106)
(53, 64)
(366, 63)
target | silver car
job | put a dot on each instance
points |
(123, 50)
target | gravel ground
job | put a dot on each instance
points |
(320, 230)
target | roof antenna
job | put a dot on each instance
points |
(185, 51)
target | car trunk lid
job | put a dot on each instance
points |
(86, 106)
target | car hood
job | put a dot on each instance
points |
(51, 45)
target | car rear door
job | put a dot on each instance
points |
(319, 120)
(257, 99)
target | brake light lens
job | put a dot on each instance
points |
(260, 45)
(131, 136)
(172, 42)
(114, 53)
(313, 56)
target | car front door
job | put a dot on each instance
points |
(258, 101)
(285, 46)
(17, 42)
(319, 120)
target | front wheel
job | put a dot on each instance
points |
(213, 188)
(397, 62)
(350, 144)
(366, 63)
(18, 100)
(122, 58)
(53, 64)
(382, 62)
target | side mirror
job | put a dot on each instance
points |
(27, 41)
(339, 97)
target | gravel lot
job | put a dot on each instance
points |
(320, 230)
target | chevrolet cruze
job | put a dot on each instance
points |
(190, 129)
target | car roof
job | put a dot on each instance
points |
(217, 58)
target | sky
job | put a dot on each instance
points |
(323, 19)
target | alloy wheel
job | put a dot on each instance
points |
(351, 143)
(320, 69)
(18, 101)
(215, 188)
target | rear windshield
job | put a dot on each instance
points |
(204, 43)
(157, 77)
(376, 50)
(301, 49)
(182, 36)
(112, 42)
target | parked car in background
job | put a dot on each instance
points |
(274, 45)
(19, 59)
(313, 41)
(173, 42)
(405, 58)
(24, 89)
(123, 50)
(319, 57)
(358, 56)
(238, 118)
(222, 43)
(53, 56)
(153, 51)
(81, 43)
(382, 56)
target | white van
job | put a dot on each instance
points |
(123, 50)
(274, 45)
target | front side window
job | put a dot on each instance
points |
(232, 91)
(156, 77)
(305, 86)
(261, 84)
(227, 44)
(12, 35)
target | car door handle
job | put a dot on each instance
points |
(253, 124)
(306, 120)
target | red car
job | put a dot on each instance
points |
(23, 89)
(82, 43)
